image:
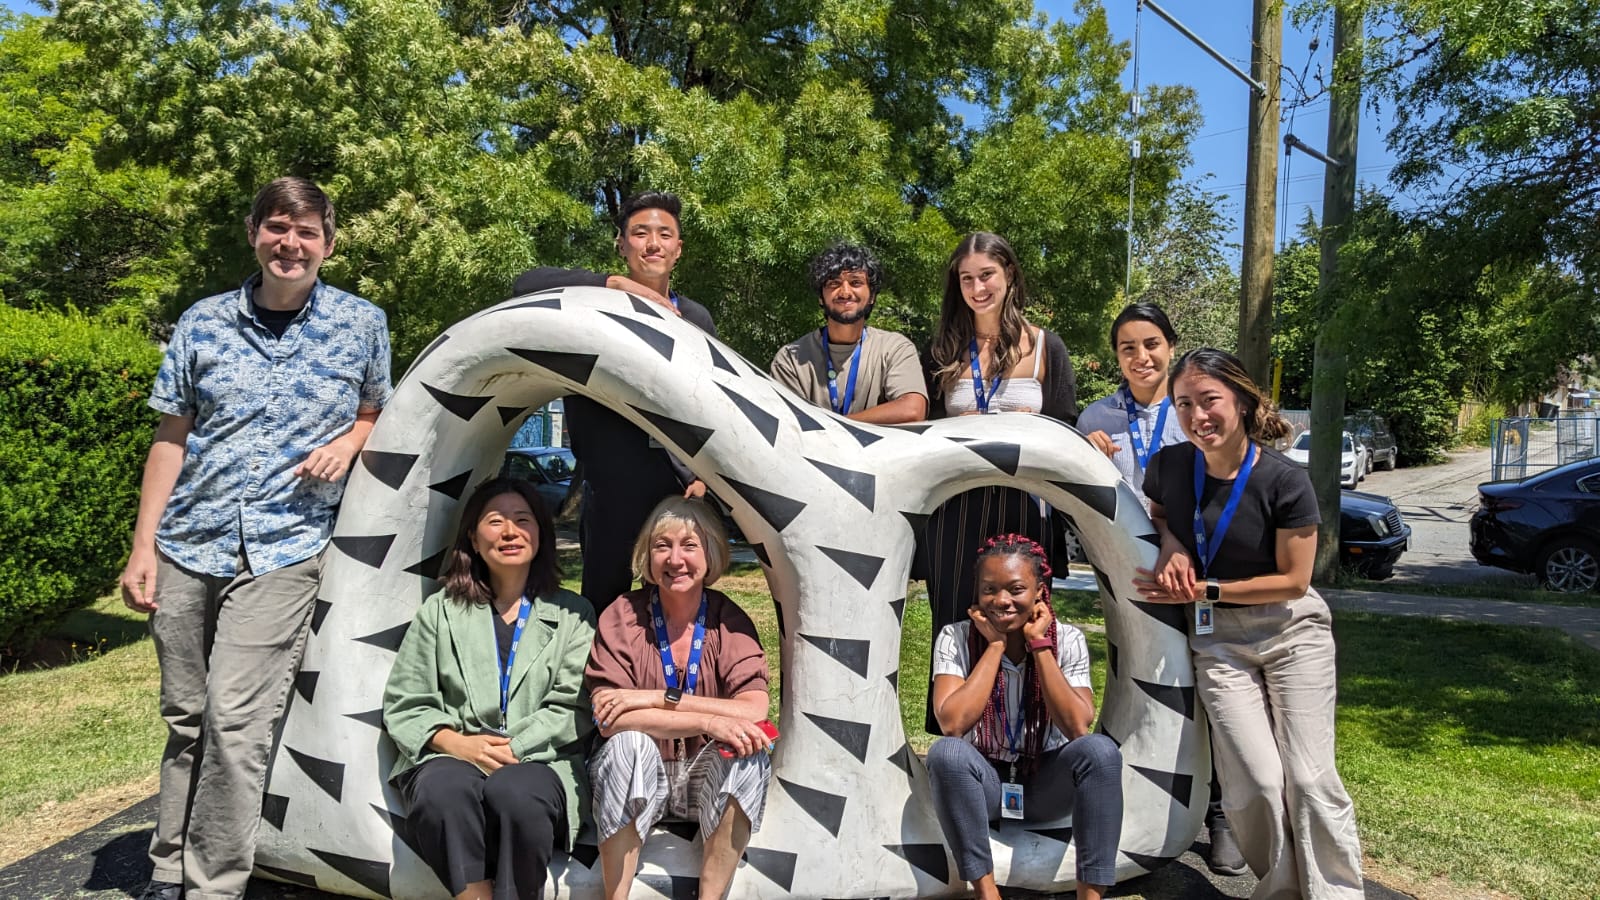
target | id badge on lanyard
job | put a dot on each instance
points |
(1011, 789)
(1206, 546)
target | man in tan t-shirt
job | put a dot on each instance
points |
(865, 374)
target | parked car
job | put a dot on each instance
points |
(1352, 463)
(1372, 535)
(1546, 524)
(1372, 431)
(549, 468)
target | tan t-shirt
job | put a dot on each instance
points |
(625, 654)
(889, 369)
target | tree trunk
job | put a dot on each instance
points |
(1261, 194)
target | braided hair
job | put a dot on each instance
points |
(989, 733)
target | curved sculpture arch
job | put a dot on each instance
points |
(831, 508)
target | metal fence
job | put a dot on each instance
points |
(1524, 446)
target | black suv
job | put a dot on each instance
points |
(1372, 431)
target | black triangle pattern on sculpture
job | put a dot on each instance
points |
(685, 830)
(904, 759)
(689, 438)
(459, 405)
(863, 437)
(1060, 835)
(432, 567)
(930, 858)
(806, 422)
(1175, 697)
(305, 684)
(369, 873)
(914, 427)
(848, 652)
(273, 809)
(287, 875)
(1111, 658)
(827, 809)
(1169, 614)
(777, 865)
(575, 367)
(678, 887)
(643, 307)
(899, 607)
(373, 717)
(720, 361)
(1114, 739)
(319, 611)
(852, 736)
(765, 422)
(543, 303)
(388, 639)
(426, 352)
(367, 550)
(778, 610)
(958, 439)
(894, 679)
(1153, 539)
(1003, 456)
(918, 523)
(863, 567)
(586, 854)
(397, 824)
(323, 773)
(776, 509)
(453, 487)
(1173, 783)
(389, 468)
(861, 485)
(660, 343)
(507, 413)
(1105, 581)
(760, 550)
(1148, 863)
(1099, 497)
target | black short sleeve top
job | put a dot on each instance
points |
(1278, 495)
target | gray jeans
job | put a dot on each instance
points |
(228, 649)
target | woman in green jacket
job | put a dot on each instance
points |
(487, 705)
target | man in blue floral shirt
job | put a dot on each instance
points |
(266, 395)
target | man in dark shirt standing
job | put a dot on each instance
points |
(626, 472)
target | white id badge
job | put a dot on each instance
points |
(1202, 617)
(1010, 800)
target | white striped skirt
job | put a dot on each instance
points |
(632, 783)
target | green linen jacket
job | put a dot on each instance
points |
(447, 675)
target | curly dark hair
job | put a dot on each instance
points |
(843, 257)
(466, 576)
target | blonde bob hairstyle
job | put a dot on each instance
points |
(675, 514)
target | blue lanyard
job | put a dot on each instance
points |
(977, 381)
(1206, 547)
(1140, 457)
(505, 669)
(673, 296)
(833, 377)
(691, 672)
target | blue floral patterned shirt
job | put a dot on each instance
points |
(260, 406)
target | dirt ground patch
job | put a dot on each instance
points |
(53, 822)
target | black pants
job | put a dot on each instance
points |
(469, 827)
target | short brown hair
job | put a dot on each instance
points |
(678, 512)
(292, 196)
(466, 575)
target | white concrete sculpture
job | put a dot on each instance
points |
(831, 508)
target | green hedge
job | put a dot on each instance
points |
(74, 431)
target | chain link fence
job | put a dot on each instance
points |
(1523, 446)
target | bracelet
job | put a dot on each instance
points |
(1039, 644)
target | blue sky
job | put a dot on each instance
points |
(1219, 149)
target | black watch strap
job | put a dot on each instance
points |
(1213, 590)
(674, 695)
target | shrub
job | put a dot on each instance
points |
(74, 431)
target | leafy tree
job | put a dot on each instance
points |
(1183, 267)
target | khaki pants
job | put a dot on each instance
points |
(1266, 677)
(228, 649)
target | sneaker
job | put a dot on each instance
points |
(162, 890)
(1225, 856)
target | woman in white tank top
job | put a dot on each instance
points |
(987, 358)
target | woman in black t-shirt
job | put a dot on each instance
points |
(1261, 637)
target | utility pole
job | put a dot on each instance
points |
(1331, 361)
(1261, 193)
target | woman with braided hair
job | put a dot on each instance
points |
(1011, 692)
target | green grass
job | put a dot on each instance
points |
(1472, 751)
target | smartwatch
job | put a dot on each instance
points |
(1213, 590)
(674, 694)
